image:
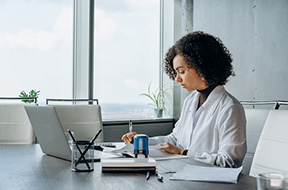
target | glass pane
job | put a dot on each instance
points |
(126, 56)
(36, 48)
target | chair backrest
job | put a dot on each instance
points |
(15, 127)
(255, 121)
(271, 153)
(83, 120)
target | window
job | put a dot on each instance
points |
(126, 54)
(36, 52)
(36, 48)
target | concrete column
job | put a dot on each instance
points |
(186, 27)
(187, 16)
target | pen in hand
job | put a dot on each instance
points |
(131, 130)
(130, 126)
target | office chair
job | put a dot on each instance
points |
(255, 121)
(271, 154)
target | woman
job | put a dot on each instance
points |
(212, 124)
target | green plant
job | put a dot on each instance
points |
(33, 93)
(157, 97)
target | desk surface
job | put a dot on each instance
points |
(26, 167)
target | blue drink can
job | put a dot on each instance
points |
(141, 145)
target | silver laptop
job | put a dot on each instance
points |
(49, 131)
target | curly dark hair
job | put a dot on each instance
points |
(204, 53)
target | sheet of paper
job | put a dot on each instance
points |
(170, 166)
(155, 152)
(207, 174)
(127, 147)
(106, 155)
(158, 154)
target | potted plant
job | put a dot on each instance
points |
(32, 94)
(157, 98)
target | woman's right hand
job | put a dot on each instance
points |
(128, 137)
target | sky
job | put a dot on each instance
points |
(36, 48)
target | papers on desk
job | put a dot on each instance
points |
(128, 164)
(207, 174)
(155, 152)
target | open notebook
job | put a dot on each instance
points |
(155, 152)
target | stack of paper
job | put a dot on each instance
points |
(207, 174)
(128, 164)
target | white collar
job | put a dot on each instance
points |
(213, 98)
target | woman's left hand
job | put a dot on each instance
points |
(171, 148)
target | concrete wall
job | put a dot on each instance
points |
(256, 33)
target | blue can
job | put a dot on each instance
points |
(141, 145)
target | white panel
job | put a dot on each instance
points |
(15, 126)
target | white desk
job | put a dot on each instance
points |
(26, 167)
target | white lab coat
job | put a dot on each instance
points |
(215, 133)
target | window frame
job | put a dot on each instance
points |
(83, 78)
